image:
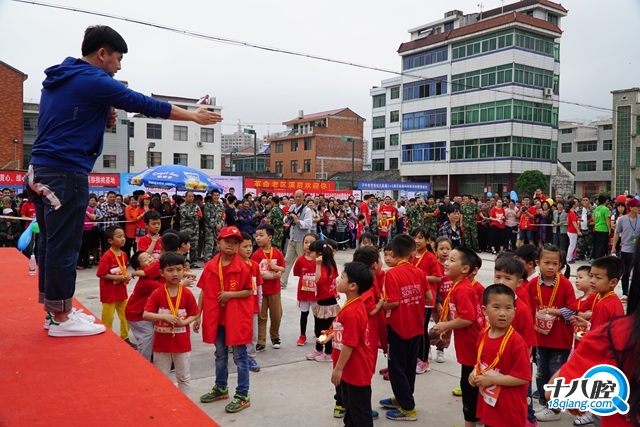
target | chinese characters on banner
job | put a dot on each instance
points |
(16, 178)
(272, 185)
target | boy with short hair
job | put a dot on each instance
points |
(246, 248)
(172, 308)
(226, 317)
(461, 303)
(112, 271)
(271, 262)
(502, 370)
(151, 242)
(353, 365)
(406, 291)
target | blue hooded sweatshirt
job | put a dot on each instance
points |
(74, 107)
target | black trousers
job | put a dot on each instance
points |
(469, 394)
(357, 402)
(600, 243)
(403, 358)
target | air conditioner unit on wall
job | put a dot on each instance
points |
(299, 170)
(548, 92)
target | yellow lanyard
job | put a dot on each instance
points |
(421, 258)
(495, 362)
(556, 285)
(121, 263)
(173, 309)
(445, 305)
(600, 298)
(330, 330)
(270, 254)
(220, 275)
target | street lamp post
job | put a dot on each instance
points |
(255, 149)
(231, 169)
(149, 147)
(353, 158)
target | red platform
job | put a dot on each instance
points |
(91, 381)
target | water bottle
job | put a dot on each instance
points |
(32, 265)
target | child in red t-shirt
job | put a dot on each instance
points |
(352, 362)
(502, 371)
(151, 242)
(584, 303)
(172, 308)
(383, 230)
(271, 262)
(226, 314)
(407, 291)
(112, 271)
(360, 228)
(142, 329)
(443, 247)
(462, 305)
(305, 269)
(246, 248)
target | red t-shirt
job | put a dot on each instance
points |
(510, 407)
(523, 323)
(463, 304)
(326, 286)
(28, 209)
(479, 290)
(390, 210)
(406, 285)
(237, 315)
(430, 265)
(561, 334)
(605, 309)
(527, 223)
(444, 286)
(305, 269)
(269, 287)
(499, 214)
(571, 218)
(135, 305)
(359, 230)
(168, 339)
(110, 291)
(145, 242)
(522, 292)
(256, 281)
(370, 300)
(364, 210)
(583, 304)
(350, 329)
(383, 227)
(595, 349)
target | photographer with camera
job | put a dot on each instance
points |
(526, 216)
(300, 220)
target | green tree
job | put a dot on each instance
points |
(529, 181)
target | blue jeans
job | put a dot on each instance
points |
(61, 199)
(240, 358)
(549, 361)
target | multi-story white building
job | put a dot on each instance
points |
(477, 103)
(154, 142)
(239, 139)
(585, 150)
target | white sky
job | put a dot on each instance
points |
(599, 50)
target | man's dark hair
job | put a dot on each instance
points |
(275, 199)
(268, 228)
(151, 215)
(613, 266)
(360, 274)
(98, 36)
(367, 255)
(497, 290)
(215, 190)
(111, 192)
(170, 241)
(231, 199)
(402, 245)
(169, 259)
(602, 199)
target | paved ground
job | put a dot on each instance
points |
(291, 391)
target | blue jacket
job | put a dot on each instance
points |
(74, 107)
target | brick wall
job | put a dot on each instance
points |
(11, 94)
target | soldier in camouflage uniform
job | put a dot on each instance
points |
(431, 213)
(414, 214)
(585, 235)
(275, 217)
(469, 211)
(213, 222)
(190, 216)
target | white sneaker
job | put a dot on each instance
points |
(584, 420)
(422, 367)
(75, 326)
(547, 414)
(47, 320)
(49, 317)
(430, 357)
(440, 356)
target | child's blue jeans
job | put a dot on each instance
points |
(240, 358)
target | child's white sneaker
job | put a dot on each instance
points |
(440, 356)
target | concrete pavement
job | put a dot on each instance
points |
(292, 391)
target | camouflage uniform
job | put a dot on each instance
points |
(431, 223)
(189, 223)
(469, 212)
(585, 239)
(414, 214)
(276, 219)
(212, 216)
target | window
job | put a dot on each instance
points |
(393, 163)
(294, 166)
(504, 146)
(206, 135)
(180, 159)
(154, 131)
(567, 165)
(180, 133)
(206, 161)
(448, 26)
(377, 164)
(424, 119)
(395, 92)
(294, 145)
(637, 157)
(587, 146)
(510, 109)
(379, 101)
(279, 167)
(154, 158)
(552, 18)
(426, 152)
(607, 145)
(587, 166)
(279, 146)
(30, 124)
(566, 131)
(428, 57)
(606, 165)
(307, 144)
(108, 161)
(566, 147)
(607, 127)
(112, 129)
(503, 39)
(378, 122)
(307, 165)
(425, 88)
(131, 128)
(394, 116)
(377, 143)
(637, 125)
(131, 158)
(393, 139)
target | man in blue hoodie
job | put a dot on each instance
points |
(79, 98)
